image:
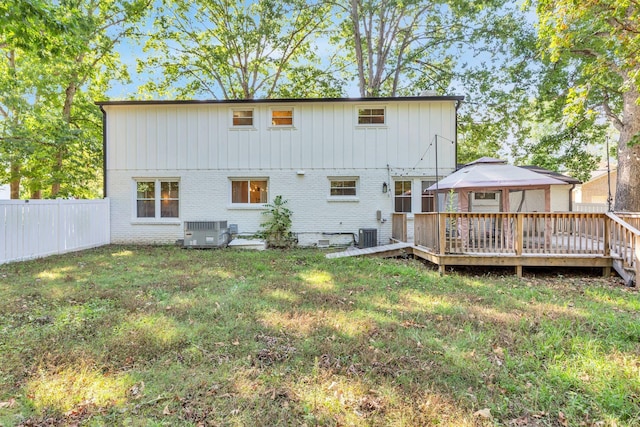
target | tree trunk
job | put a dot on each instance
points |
(14, 184)
(57, 168)
(70, 94)
(628, 183)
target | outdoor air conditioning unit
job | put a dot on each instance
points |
(206, 234)
(367, 238)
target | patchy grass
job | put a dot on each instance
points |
(166, 336)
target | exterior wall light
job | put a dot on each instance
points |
(385, 187)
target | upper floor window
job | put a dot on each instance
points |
(282, 116)
(402, 196)
(242, 117)
(343, 187)
(157, 198)
(249, 191)
(371, 116)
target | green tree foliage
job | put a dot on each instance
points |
(58, 57)
(232, 50)
(594, 46)
(397, 45)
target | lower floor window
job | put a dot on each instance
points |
(402, 196)
(157, 198)
(428, 197)
(343, 187)
(249, 191)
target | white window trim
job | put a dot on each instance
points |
(281, 108)
(394, 195)
(355, 198)
(371, 107)
(157, 199)
(242, 127)
(247, 206)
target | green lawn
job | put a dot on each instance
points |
(164, 336)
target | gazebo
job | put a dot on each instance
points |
(488, 176)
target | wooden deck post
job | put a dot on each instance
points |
(443, 233)
(519, 242)
(607, 236)
(519, 234)
(442, 269)
(519, 271)
(606, 271)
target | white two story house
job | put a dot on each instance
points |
(342, 164)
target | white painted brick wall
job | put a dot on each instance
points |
(205, 196)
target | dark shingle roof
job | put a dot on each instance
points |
(552, 174)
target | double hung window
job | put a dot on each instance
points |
(249, 191)
(157, 198)
(402, 196)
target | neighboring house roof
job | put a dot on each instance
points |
(283, 101)
(552, 174)
(599, 173)
(493, 174)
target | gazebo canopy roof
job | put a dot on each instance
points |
(489, 173)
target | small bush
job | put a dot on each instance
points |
(277, 228)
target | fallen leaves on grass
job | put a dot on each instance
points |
(483, 413)
(8, 404)
(562, 419)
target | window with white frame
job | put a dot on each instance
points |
(371, 116)
(157, 198)
(428, 197)
(282, 116)
(343, 187)
(249, 191)
(402, 196)
(242, 117)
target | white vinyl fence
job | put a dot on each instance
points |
(38, 228)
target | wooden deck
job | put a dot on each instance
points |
(540, 239)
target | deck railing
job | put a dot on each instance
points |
(511, 233)
(533, 233)
(399, 226)
(633, 219)
(624, 241)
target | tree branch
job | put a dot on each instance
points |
(615, 120)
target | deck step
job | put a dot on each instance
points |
(628, 274)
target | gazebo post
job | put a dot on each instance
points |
(547, 222)
(463, 206)
(506, 224)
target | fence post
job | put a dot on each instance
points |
(58, 225)
(107, 208)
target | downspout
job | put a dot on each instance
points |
(573, 186)
(104, 152)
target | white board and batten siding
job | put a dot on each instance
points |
(37, 228)
(195, 143)
(324, 136)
